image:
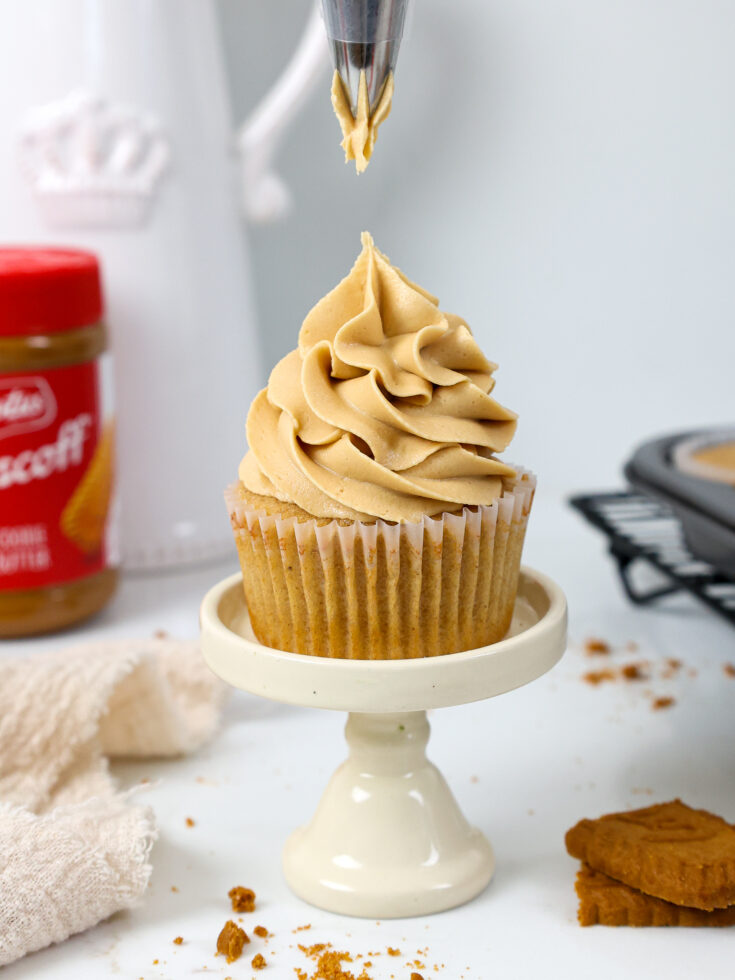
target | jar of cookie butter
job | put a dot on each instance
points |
(58, 553)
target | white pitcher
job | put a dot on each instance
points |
(115, 135)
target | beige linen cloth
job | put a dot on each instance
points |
(73, 849)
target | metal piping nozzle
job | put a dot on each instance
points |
(364, 35)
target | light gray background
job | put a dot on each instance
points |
(560, 173)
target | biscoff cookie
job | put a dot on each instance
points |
(606, 902)
(669, 851)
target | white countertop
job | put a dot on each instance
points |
(524, 768)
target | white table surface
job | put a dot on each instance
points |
(524, 767)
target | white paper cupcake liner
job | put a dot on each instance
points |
(381, 590)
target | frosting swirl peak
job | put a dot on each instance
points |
(384, 409)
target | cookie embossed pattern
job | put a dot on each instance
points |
(663, 865)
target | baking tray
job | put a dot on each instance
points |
(705, 508)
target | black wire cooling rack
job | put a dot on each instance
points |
(643, 530)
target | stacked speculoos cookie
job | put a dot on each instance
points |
(665, 865)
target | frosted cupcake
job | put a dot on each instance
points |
(372, 517)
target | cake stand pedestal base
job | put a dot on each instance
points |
(388, 839)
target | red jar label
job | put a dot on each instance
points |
(56, 477)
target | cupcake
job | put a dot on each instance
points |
(372, 517)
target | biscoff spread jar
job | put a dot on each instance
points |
(57, 543)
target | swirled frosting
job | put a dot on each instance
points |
(360, 132)
(384, 409)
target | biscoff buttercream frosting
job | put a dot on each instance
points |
(383, 411)
(360, 132)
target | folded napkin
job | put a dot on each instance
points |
(73, 849)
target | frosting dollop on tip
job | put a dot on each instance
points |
(360, 132)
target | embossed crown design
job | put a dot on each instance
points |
(93, 163)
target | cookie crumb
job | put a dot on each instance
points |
(416, 976)
(729, 670)
(393, 952)
(231, 941)
(634, 672)
(160, 635)
(260, 931)
(178, 941)
(189, 822)
(595, 677)
(174, 888)
(594, 645)
(660, 703)
(243, 899)
(258, 962)
(329, 964)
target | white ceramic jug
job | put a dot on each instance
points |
(115, 135)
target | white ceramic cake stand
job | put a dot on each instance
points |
(388, 838)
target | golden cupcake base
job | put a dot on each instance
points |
(380, 591)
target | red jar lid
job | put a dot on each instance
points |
(47, 290)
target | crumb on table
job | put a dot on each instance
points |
(178, 941)
(596, 645)
(258, 962)
(634, 672)
(393, 952)
(260, 931)
(329, 964)
(660, 703)
(189, 822)
(596, 677)
(243, 899)
(729, 670)
(231, 941)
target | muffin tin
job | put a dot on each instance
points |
(705, 507)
